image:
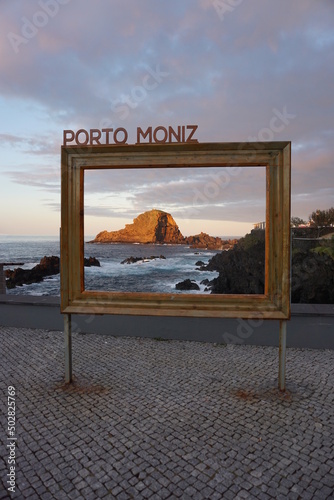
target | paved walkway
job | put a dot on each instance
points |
(152, 419)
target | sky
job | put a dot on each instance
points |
(242, 70)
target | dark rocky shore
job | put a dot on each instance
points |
(241, 269)
(48, 266)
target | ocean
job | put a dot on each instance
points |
(158, 275)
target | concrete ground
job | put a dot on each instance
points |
(152, 419)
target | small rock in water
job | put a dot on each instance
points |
(187, 285)
(199, 263)
(91, 261)
(133, 260)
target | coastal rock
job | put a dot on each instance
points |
(199, 263)
(207, 242)
(48, 266)
(187, 285)
(91, 261)
(208, 285)
(241, 269)
(229, 244)
(157, 226)
(133, 260)
(154, 226)
(203, 240)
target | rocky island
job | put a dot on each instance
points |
(157, 226)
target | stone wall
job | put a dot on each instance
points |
(307, 244)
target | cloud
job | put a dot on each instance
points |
(190, 193)
(110, 57)
(225, 73)
(47, 180)
(41, 145)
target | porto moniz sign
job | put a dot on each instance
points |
(164, 148)
(157, 135)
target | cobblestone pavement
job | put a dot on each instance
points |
(152, 419)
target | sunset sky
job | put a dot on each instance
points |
(242, 70)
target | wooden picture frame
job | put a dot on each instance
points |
(275, 157)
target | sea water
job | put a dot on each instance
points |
(157, 275)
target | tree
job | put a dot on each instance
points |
(331, 215)
(297, 221)
(322, 219)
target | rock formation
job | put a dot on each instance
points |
(203, 240)
(18, 277)
(199, 263)
(91, 262)
(48, 266)
(154, 226)
(241, 271)
(157, 226)
(133, 260)
(187, 285)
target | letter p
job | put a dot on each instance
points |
(65, 136)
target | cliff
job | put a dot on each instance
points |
(157, 226)
(241, 270)
(154, 226)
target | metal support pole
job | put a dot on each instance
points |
(68, 348)
(282, 355)
(2, 280)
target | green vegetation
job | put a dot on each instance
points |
(324, 251)
(251, 239)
